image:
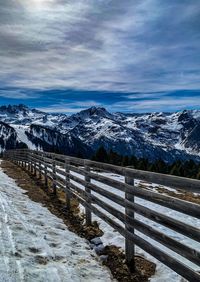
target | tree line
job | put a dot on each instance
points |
(187, 168)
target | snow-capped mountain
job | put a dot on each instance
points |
(9, 138)
(168, 136)
(22, 115)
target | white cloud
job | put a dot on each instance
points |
(166, 104)
(17, 94)
(100, 45)
(69, 107)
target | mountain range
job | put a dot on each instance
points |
(166, 136)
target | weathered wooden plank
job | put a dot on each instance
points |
(44, 159)
(181, 249)
(36, 168)
(31, 162)
(129, 213)
(59, 163)
(109, 195)
(108, 181)
(43, 162)
(88, 213)
(72, 160)
(35, 159)
(67, 187)
(40, 169)
(45, 176)
(77, 179)
(60, 178)
(49, 176)
(173, 203)
(60, 171)
(180, 268)
(60, 185)
(163, 179)
(41, 158)
(78, 170)
(169, 222)
(19, 159)
(187, 184)
(80, 191)
(54, 175)
(163, 200)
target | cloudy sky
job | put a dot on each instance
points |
(131, 55)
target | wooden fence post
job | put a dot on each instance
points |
(29, 160)
(19, 161)
(26, 160)
(129, 245)
(88, 190)
(45, 176)
(35, 173)
(54, 174)
(40, 168)
(67, 180)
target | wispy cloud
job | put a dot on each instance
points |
(148, 48)
(157, 104)
(72, 107)
(113, 45)
(132, 102)
(17, 94)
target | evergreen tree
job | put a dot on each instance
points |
(125, 161)
(161, 166)
(101, 155)
(79, 155)
(198, 174)
(114, 158)
(185, 169)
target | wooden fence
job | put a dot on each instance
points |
(75, 176)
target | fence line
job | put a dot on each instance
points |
(74, 176)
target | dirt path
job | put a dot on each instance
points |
(37, 192)
(35, 245)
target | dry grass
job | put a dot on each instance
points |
(180, 194)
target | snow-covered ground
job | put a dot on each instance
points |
(35, 245)
(20, 129)
(111, 237)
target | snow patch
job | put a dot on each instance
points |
(35, 245)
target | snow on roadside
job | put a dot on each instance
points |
(35, 245)
(163, 273)
(111, 237)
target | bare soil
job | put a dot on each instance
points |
(180, 194)
(187, 196)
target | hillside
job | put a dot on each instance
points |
(166, 136)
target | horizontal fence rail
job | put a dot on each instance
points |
(81, 178)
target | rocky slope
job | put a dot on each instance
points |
(168, 136)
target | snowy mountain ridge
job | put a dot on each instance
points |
(168, 136)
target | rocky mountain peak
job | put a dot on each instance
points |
(165, 136)
(94, 111)
(13, 109)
